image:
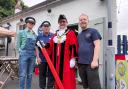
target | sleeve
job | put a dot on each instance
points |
(96, 35)
(49, 46)
(73, 45)
(36, 41)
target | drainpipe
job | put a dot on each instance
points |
(110, 59)
(7, 44)
(109, 10)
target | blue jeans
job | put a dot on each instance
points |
(26, 66)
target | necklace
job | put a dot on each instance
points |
(60, 38)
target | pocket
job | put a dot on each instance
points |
(30, 44)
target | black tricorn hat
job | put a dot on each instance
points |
(30, 20)
(61, 17)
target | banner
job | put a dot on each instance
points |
(121, 72)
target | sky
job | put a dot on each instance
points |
(122, 17)
(32, 2)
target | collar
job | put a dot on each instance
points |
(60, 36)
(63, 29)
(83, 30)
(46, 35)
(62, 32)
(30, 31)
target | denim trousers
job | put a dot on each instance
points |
(26, 66)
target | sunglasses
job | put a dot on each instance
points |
(32, 23)
(62, 21)
(45, 25)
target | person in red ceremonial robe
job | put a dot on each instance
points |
(63, 50)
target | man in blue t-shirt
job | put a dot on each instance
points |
(88, 53)
(43, 66)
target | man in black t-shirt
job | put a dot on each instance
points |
(88, 52)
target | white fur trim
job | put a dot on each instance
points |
(55, 39)
(61, 37)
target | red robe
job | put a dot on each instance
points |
(61, 54)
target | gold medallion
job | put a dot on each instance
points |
(59, 39)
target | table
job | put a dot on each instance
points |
(10, 67)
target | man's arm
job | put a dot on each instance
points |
(94, 63)
(74, 49)
(5, 32)
(37, 56)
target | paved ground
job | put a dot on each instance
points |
(13, 84)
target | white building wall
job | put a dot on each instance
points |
(72, 9)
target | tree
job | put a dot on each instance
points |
(7, 7)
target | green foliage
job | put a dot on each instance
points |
(7, 7)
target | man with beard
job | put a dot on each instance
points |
(63, 49)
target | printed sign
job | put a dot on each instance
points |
(121, 74)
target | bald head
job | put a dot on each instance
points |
(83, 15)
(83, 21)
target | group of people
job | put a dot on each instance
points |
(64, 48)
